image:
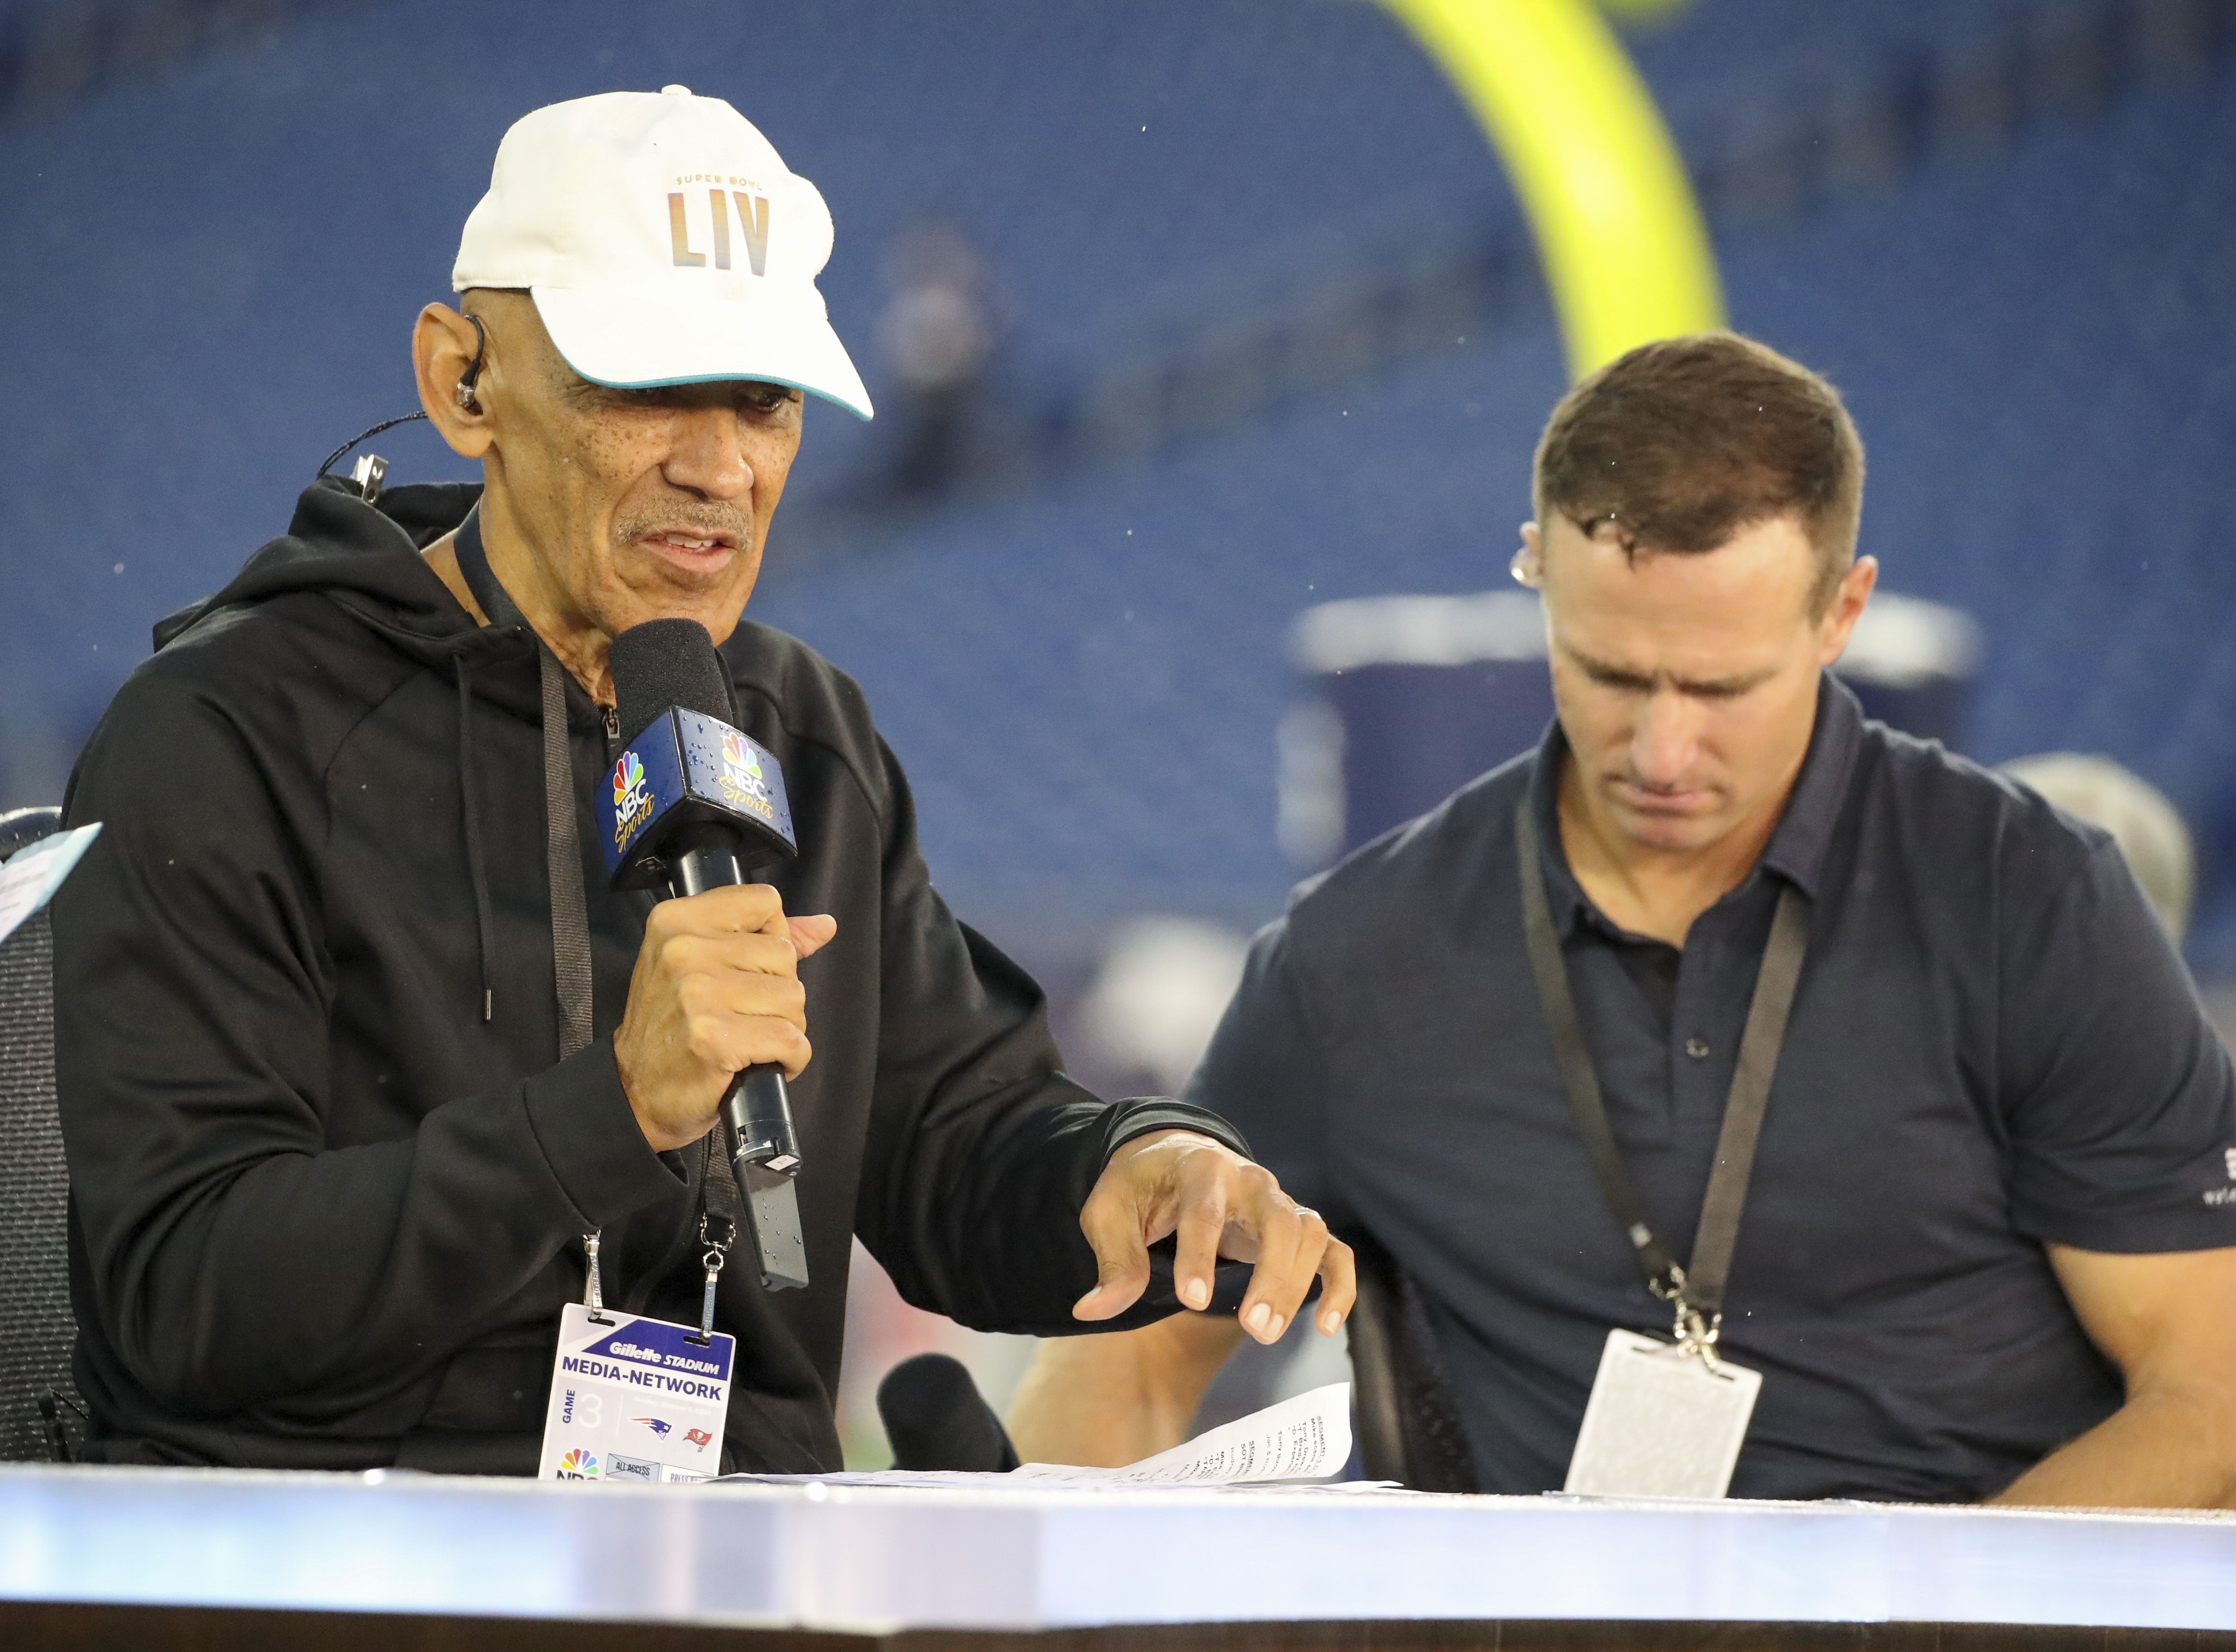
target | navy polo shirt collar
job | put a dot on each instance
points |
(1797, 848)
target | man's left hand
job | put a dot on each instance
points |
(1219, 1204)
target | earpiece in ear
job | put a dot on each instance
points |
(464, 389)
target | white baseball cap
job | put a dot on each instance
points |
(665, 242)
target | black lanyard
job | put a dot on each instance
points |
(719, 1209)
(1697, 1292)
(570, 920)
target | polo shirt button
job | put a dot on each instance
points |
(1697, 1049)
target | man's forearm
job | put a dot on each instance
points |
(1106, 1401)
(2173, 1447)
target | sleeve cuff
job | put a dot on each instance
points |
(582, 1119)
(1139, 1114)
(2145, 1232)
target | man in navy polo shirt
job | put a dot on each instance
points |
(1986, 1247)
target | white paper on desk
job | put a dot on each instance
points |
(1305, 1439)
(30, 876)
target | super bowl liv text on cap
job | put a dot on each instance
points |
(664, 241)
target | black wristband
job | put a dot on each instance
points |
(1140, 1115)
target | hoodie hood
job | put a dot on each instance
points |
(365, 557)
(366, 560)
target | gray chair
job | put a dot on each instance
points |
(36, 1329)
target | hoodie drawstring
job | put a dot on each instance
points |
(473, 823)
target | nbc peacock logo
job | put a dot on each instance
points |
(629, 778)
(741, 765)
(579, 1465)
(632, 798)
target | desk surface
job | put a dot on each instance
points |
(875, 1561)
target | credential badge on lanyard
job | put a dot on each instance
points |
(638, 1398)
(1666, 1418)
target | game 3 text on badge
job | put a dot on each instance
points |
(575, 1365)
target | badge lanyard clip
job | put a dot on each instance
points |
(1694, 1331)
(716, 1234)
(1696, 1300)
(594, 1295)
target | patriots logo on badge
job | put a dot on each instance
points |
(699, 1438)
(658, 1425)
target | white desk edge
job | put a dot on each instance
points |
(878, 1560)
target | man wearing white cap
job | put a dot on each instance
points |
(355, 1044)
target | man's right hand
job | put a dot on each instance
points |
(716, 989)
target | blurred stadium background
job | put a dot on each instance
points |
(1184, 316)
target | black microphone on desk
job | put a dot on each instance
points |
(693, 805)
(935, 1418)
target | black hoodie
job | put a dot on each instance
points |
(328, 1178)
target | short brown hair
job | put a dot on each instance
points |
(1682, 443)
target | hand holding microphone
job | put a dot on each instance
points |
(714, 992)
(717, 1017)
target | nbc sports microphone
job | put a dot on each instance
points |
(693, 805)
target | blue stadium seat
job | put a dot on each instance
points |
(211, 269)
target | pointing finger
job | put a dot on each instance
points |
(1290, 1242)
(1339, 1286)
(1202, 1223)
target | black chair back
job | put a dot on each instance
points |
(36, 1329)
(1408, 1426)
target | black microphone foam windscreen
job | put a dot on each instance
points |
(936, 1419)
(667, 663)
